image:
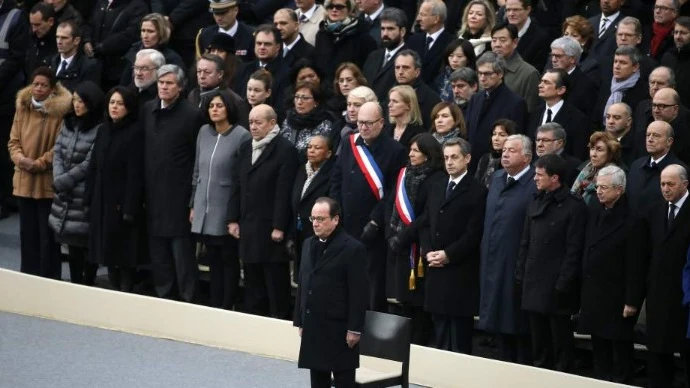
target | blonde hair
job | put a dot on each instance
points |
(489, 15)
(363, 92)
(160, 24)
(409, 97)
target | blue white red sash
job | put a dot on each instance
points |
(367, 164)
(406, 213)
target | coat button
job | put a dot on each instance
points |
(441, 211)
(309, 292)
(308, 311)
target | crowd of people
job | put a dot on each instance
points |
(520, 161)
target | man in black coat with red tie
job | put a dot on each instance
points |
(548, 267)
(363, 177)
(454, 223)
(331, 299)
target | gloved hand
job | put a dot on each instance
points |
(370, 232)
(395, 245)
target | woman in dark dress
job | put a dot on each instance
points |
(405, 269)
(116, 188)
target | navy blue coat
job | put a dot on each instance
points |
(504, 104)
(350, 188)
(244, 41)
(503, 222)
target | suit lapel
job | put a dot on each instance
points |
(264, 155)
(458, 190)
(681, 218)
(607, 232)
(329, 253)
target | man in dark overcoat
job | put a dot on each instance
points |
(331, 299)
(548, 265)
(260, 213)
(662, 238)
(363, 208)
(495, 102)
(506, 204)
(455, 213)
(171, 125)
(608, 267)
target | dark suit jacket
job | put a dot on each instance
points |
(331, 299)
(455, 225)
(244, 41)
(79, 70)
(681, 125)
(576, 126)
(604, 47)
(581, 90)
(301, 49)
(632, 97)
(503, 104)
(666, 44)
(643, 181)
(260, 199)
(381, 78)
(663, 253)
(533, 47)
(277, 70)
(647, 65)
(374, 28)
(302, 204)
(431, 61)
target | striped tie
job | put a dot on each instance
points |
(602, 28)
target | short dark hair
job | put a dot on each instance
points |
(562, 79)
(553, 165)
(264, 76)
(465, 147)
(269, 29)
(44, 72)
(230, 107)
(512, 30)
(684, 21)
(395, 15)
(430, 147)
(314, 89)
(415, 57)
(305, 63)
(510, 126)
(467, 49)
(333, 206)
(47, 11)
(218, 61)
(74, 28)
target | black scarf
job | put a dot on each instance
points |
(310, 120)
(414, 176)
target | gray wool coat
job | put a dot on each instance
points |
(216, 157)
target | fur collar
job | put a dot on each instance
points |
(58, 104)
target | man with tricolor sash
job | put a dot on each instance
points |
(363, 178)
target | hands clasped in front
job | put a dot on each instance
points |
(437, 259)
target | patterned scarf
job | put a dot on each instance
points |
(414, 176)
(311, 173)
(258, 146)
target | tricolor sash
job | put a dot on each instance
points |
(367, 164)
(406, 213)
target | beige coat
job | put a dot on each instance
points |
(33, 136)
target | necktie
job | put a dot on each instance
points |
(387, 58)
(652, 165)
(429, 41)
(548, 116)
(449, 189)
(367, 18)
(285, 51)
(602, 28)
(511, 181)
(63, 67)
(671, 216)
(302, 18)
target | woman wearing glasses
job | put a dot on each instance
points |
(308, 118)
(154, 34)
(342, 38)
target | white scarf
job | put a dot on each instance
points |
(311, 173)
(258, 146)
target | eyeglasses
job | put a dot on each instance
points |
(338, 7)
(368, 124)
(318, 219)
(557, 56)
(144, 69)
(662, 106)
(545, 141)
(604, 187)
(485, 73)
(299, 97)
(662, 8)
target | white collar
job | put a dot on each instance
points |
(376, 13)
(68, 60)
(679, 203)
(291, 45)
(524, 28)
(571, 70)
(554, 109)
(657, 161)
(458, 179)
(520, 174)
(232, 31)
(609, 19)
(309, 13)
(434, 36)
(395, 50)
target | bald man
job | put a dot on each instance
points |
(294, 44)
(618, 121)
(661, 246)
(362, 190)
(260, 213)
(666, 107)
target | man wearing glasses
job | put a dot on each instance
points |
(331, 300)
(666, 107)
(678, 58)
(145, 76)
(659, 36)
(364, 176)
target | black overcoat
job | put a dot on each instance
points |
(456, 225)
(302, 204)
(115, 186)
(550, 253)
(330, 52)
(260, 199)
(663, 254)
(608, 270)
(170, 147)
(331, 299)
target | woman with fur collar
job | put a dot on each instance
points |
(40, 109)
